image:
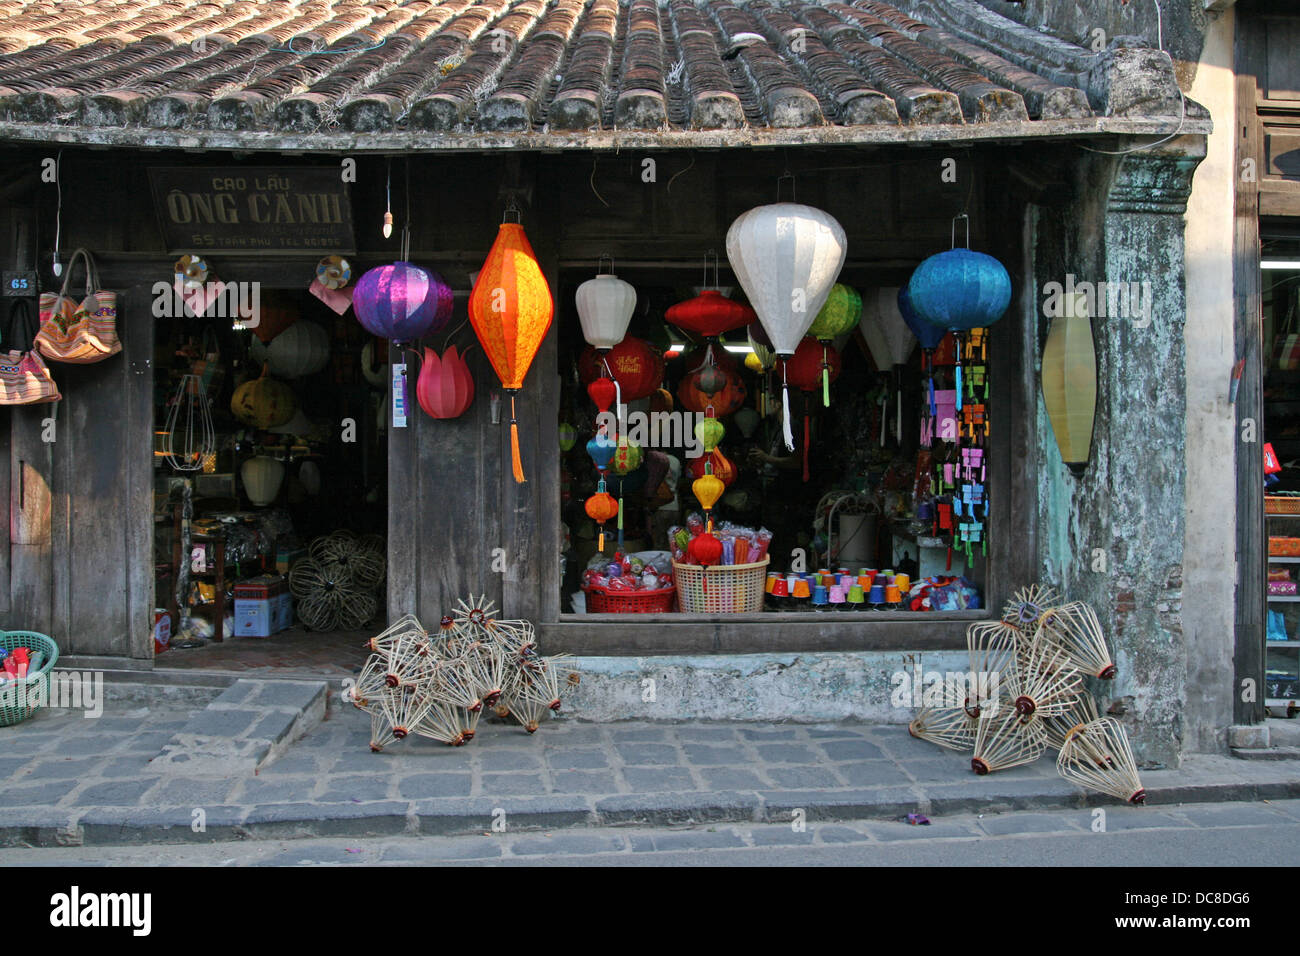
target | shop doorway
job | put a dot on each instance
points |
(270, 487)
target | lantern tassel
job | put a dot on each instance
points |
(786, 433)
(826, 380)
(620, 516)
(516, 461)
(601, 545)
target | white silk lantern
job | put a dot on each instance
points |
(605, 307)
(888, 338)
(787, 257)
(301, 349)
(262, 477)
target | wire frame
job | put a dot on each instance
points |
(442, 722)
(949, 727)
(1082, 710)
(381, 731)
(404, 708)
(404, 629)
(1097, 755)
(370, 682)
(1004, 740)
(1044, 684)
(1028, 604)
(188, 436)
(1074, 629)
(993, 647)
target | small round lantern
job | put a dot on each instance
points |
(605, 307)
(301, 349)
(635, 364)
(402, 302)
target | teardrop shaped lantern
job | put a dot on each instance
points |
(262, 477)
(511, 308)
(716, 463)
(568, 436)
(605, 307)
(402, 302)
(838, 316)
(888, 339)
(786, 256)
(709, 432)
(301, 349)
(1070, 382)
(601, 450)
(445, 388)
(708, 489)
(602, 392)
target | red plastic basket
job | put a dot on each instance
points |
(604, 601)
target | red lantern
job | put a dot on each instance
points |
(710, 314)
(723, 467)
(804, 368)
(730, 398)
(635, 363)
(445, 387)
(704, 550)
(602, 392)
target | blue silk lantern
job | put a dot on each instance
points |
(402, 302)
(601, 449)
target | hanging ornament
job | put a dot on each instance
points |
(710, 313)
(786, 256)
(511, 310)
(402, 302)
(1070, 382)
(747, 420)
(568, 436)
(387, 229)
(708, 489)
(601, 450)
(600, 507)
(725, 398)
(811, 364)
(709, 431)
(888, 339)
(189, 436)
(633, 363)
(602, 392)
(445, 388)
(704, 550)
(333, 272)
(605, 307)
(301, 349)
(714, 462)
(661, 400)
(838, 316)
(627, 459)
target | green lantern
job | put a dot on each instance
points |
(839, 315)
(627, 457)
(568, 436)
(709, 431)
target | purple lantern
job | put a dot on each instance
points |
(402, 302)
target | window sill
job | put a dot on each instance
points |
(638, 635)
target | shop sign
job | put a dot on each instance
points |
(252, 209)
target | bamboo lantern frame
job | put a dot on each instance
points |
(1003, 740)
(1081, 711)
(1045, 684)
(994, 648)
(1028, 604)
(949, 727)
(1074, 629)
(1097, 755)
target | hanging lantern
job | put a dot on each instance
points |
(888, 339)
(838, 316)
(510, 308)
(747, 421)
(189, 437)
(661, 400)
(708, 490)
(627, 457)
(811, 364)
(600, 507)
(709, 314)
(709, 431)
(720, 465)
(787, 257)
(601, 450)
(605, 307)
(1070, 383)
(929, 337)
(262, 477)
(445, 387)
(725, 401)
(761, 345)
(301, 349)
(263, 402)
(568, 436)
(602, 392)
(634, 363)
(309, 475)
(402, 302)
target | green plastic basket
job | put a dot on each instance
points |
(15, 694)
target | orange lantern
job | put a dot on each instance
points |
(722, 466)
(726, 400)
(511, 310)
(708, 490)
(600, 507)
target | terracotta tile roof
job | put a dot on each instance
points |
(459, 69)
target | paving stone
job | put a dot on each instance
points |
(292, 763)
(94, 744)
(567, 843)
(706, 734)
(131, 765)
(641, 755)
(804, 778)
(585, 781)
(839, 804)
(419, 849)
(787, 753)
(676, 809)
(1121, 817)
(771, 733)
(38, 794)
(275, 726)
(705, 755)
(939, 770)
(692, 839)
(783, 836)
(902, 745)
(113, 793)
(622, 735)
(732, 778)
(835, 733)
(293, 694)
(1003, 824)
(223, 723)
(150, 742)
(493, 760)
(196, 792)
(421, 785)
(354, 787)
(1237, 815)
(459, 815)
(238, 692)
(504, 784)
(893, 832)
(851, 750)
(577, 760)
(655, 780)
(60, 767)
(11, 765)
(837, 834)
(281, 790)
(871, 773)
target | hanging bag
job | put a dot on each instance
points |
(24, 377)
(80, 333)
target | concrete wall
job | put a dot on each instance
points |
(1209, 568)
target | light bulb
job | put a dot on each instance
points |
(388, 225)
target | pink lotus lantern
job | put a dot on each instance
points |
(445, 387)
(402, 302)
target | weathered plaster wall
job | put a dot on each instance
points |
(1209, 562)
(796, 687)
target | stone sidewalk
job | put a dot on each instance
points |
(118, 779)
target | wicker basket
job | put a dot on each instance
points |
(604, 601)
(1282, 504)
(15, 695)
(732, 589)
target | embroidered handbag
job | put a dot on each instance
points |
(24, 377)
(80, 333)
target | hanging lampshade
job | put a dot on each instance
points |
(262, 477)
(263, 402)
(704, 550)
(709, 314)
(601, 507)
(445, 388)
(189, 437)
(1070, 384)
(602, 392)
(725, 401)
(928, 335)
(838, 315)
(402, 302)
(301, 349)
(568, 435)
(605, 306)
(786, 256)
(627, 456)
(601, 450)
(709, 432)
(959, 290)
(885, 328)
(374, 363)
(761, 346)
(661, 400)
(511, 308)
(747, 421)
(723, 467)
(803, 370)
(708, 489)
(636, 365)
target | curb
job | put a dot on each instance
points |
(452, 816)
